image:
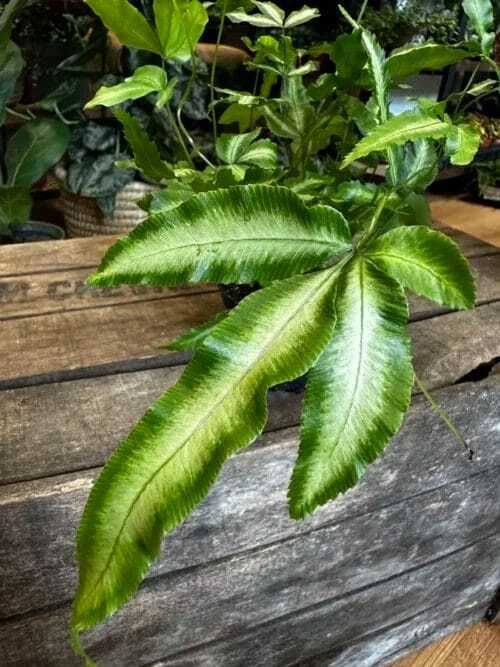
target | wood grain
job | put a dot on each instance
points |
(480, 221)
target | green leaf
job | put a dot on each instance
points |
(481, 18)
(239, 235)
(11, 66)
(302, 16)
(146, 154)
(169, 461)
(15, 206)
(463, 143)
(258, 20)
(180, 24)
(408, 126)
(414, 58)
(349, 56)
(237, 113)
(420, 165)
(245, 149)
(191, 340)
(34, 149)
(426, 262)
(7, 17)
(272, 11)
(357, 393)
(145, 80)
(128, 24)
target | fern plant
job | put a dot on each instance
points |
(333, 254)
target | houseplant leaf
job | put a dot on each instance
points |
(242, 234)
(7, 18)
(258, 20)
(408, 126)
(463, 143)
(245, 149)
(426, 262)
(301, 16)
(128, 24)
(412, 59)
(145, 80)
(271, 10)
(15, 206)
(180, 24)
(480, 14)
(34, 148)
(11, 67)
(172, 457)
(420, 165)
(146, 154)
(358, 391)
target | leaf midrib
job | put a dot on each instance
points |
(216, 404)
(410, 260)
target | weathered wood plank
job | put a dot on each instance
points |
(469, 245)
(75, 425)
(48, 293)
(282, 605)
(470, 217)
(247, 507)
(67, 341)
(26, 258)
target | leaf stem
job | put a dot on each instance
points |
(214, 69)
(438, 409)
(16, 114)
(376, 217)
(362, 11)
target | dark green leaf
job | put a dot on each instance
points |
(243, 234)
(426, 262)
(414, 58)
(34, 149)
(357, 393)
(11, 67)
(15, 206)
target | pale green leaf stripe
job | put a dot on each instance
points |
(426, 262)
(408, 126)
(301, 16)
(463, 144)
(173, 456)
(411, 60)
(481, 17)
(358, 391)
(242, 234)
(128, 24)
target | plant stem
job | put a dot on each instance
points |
(170, 117)
(453, 428)
(374, 220)
(214, 69)
(16, 114)
(362, 11)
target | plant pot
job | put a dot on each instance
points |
(33, 232)
(227, 56)
(231, 297)
(83, 216)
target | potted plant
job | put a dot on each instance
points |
(34, 148)
(488, 181)
(282, 207)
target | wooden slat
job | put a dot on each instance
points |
(77, 424)
(478, 220)
(49, 293)
(70, 254)
(46, 345)
(247, 507)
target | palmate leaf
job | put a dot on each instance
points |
(146, 154)
(301, 16)
(242, 234)
(426, 262)
(145, 80)
(358, 391)
(414, 58)
(167, 464)
(246, 149)
(128, 24)
(408, 126)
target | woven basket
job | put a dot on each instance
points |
(83, 217)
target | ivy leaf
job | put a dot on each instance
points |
(15, 206)
(358, 391)
(245, 149)
(242, 234)
(408, 126)
(412, 59)
(128, 24)
(145, 80)
(169, 461)
(481, 18)
(463, 143)
(146, 154)
(302, 16)
(426, 262)
(180, 24)
(34, 149)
